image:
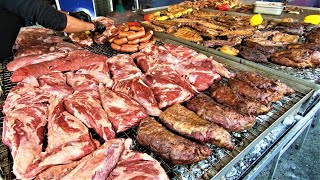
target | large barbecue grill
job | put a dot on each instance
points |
(221, 161)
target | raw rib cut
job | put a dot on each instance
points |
(68, 140)
(123, 112)
(180, 52)
(59, 171)
(86, 106)
(122, 67)
(100, 163)
(99, 71)
(54, 84)
(23, 131)
(81, 39)
(136, 165)
(109, 24)
(140, 92)
(81, 82)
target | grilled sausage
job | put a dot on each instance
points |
(129, 48)
(136, 41)
(136, 28)
(143, 45)
(120, 41)
(147, 37)
(123, 34)
(111, 39)
(115, 46)
(136, 35)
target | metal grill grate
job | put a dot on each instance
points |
(220, 160)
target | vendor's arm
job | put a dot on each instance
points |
(46, 15)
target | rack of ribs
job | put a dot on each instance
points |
(222, 115)
(189, 124)
(168, 145)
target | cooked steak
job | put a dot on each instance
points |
(252, 54)
(225, 95)
(169, 146)
(217, 42)
(314, 37)
(188, 34)
(266, 50)
(290, 27)
(188, 123)
(222, 115)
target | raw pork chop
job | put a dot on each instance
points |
(180, 52)
(136, 165)
(81, 39)
(23, 131)
(99, 71)
(54, 84)
(86, 106)
(100, 163)
(81, 82)
(122, 67)
(140, 92)
(68, 140)
(123, 112)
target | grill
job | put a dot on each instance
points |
(221, 160)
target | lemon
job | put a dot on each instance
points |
(229, 50)
(256, 19)
(312, 19)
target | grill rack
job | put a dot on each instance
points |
(219, 161)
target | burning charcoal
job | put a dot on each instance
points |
(197, 171)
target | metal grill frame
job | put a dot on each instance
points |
(217, 170)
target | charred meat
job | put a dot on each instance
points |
(252, 54)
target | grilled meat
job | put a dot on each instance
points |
(300, 58)
(217, 42)
(273, 38)
(169, 146)
(188, 34)
(251, 92)
(285, 38)
(265, 50)
(170, 26)
(261, 82)
(206, 14)
(314, 37)
(224, 116)
(187, 123)
(252, 54)
(243, 32)
(311, 46)
(186, 21)
(152, 26)
(212, 26)
(225, 95)
(290, 27)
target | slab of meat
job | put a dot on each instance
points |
(168, 87)
(261, 82)
(23, 131)
(24, 95)
(74, 61)
(265, 50)
(314, 37)
(54, 84)
(290, 27)
(220, 69)
(81, 39)
(161, 53)
(32, 36)
(100, 163)
(86, 106)
(252, 54)
(58, 172)
(180, 52)
(123, 112)
(122, 67)
(171, 147)
(68, 140)
(224, 116)
(189, 124)
(136, 165)
(217, 42)
(140, 92)
(109, 24)
(146, 62)
(225, 95)
(81, 82)
(99, 71)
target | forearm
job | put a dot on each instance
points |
(76, 25)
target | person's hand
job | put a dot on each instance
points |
(81, 15)
(99, 28)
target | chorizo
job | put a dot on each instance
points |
(143, 45)
(136, 41)
(123, 34)
(147, 37)
(112, 39)
(136, 35)
(120, 41)
(129, 48)
(115, 46)
(136, 28)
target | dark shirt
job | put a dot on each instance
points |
(12, 17)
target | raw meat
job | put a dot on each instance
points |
(122, 67)
(58, 172)
(74, 61)
(168, 87)
(224, 116)
(136, 165)
(99, 71)
(140, 92)
(68, 140)
(123, 112)
(23, 131)
(109, 24)
(180, 52)
(86, 106)
(189, 124)
(161, 53)
(81, 82)
(81, 39)
(54, 84)
(24, 95)
(168, 145)
(100, 163)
